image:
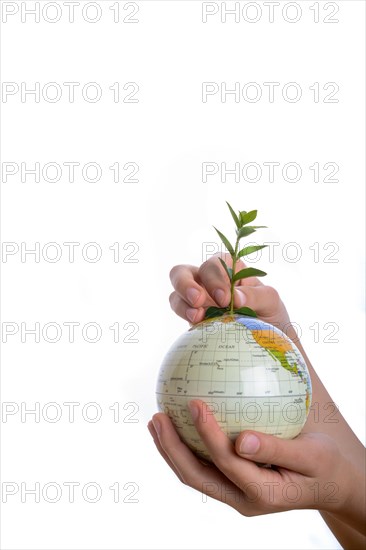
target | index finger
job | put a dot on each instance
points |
(186, 282)
(215, 279)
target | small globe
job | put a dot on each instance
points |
(250, 374)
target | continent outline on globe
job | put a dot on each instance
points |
(250, 374)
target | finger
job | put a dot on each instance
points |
(155, 437)
(179, 455)
(264, 300)
(185, 281)
(190, 291)
(184, 310)
(195, 315)
(204, 478)
(302, 454)
(215, 279)
(243, 473)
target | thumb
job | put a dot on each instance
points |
(302, 454)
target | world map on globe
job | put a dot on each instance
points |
(251, 375)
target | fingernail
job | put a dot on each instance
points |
(191, 314)
(193, 295)
(250, 444)
(157, 426)
(219, 296)
(194, 410)
(240, 298)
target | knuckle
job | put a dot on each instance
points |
(173, 272)
(184, 480)
(204, 272)
(257, 504)
(212, 268)
(173, 300)
(226, 257)
(223, 255)
(273, 298)
(270, 505)
(248, 513)
(273, 294)
(203, 267)
(273, 454)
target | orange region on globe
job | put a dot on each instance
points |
(270, 340)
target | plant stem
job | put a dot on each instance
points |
(232, 281)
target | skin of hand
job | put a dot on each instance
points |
(307, 472)
(195, 289)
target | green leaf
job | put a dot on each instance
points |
(235, 217)
(259, 226)
(250, 249)
(245, 231)
(248, 272)
(228, 270)
(226, 242)
(246, 311)
(213, 311)
(247, 217)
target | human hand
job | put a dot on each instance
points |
(311, 465)
(308, 472)
(195, 289)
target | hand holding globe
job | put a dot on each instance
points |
(327, 456)
(248, 371)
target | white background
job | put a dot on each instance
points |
(169, 214)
